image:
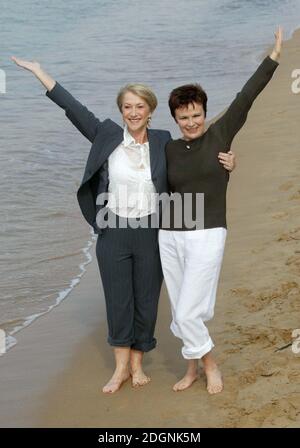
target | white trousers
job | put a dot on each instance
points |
(191, 262)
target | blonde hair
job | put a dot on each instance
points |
(140, 90)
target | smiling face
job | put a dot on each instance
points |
(191, 120)
(135, 112)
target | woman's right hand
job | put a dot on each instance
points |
(28, 65)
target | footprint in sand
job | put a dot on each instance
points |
(256, 302)
(286, 186)
(294, 263)
(266, 368)
(247, 377)
(280, 215)
(276, 412)
(295, 196)
(261, 337)
(293, 235)
(260, 369)
(294, 376)
(247, 299)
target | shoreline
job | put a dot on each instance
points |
(11, 340)
(54, 375)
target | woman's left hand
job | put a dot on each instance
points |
(228, 160)
(278, 43)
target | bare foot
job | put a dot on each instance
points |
(185, 382)
(116, 382)
(214, 379)
(139, 378)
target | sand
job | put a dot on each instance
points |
(54, 376)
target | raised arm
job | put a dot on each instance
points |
(84, 120)
(235, 116)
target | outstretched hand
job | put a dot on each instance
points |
(278, 43)
(28, 65)
(278, 39)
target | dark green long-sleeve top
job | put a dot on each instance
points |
(197, 169)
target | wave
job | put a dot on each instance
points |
(10, 339)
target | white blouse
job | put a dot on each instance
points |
(131, 192)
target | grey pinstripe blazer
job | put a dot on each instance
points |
(105, 136)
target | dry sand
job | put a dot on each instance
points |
(53, 377)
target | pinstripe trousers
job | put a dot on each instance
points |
(131, 274)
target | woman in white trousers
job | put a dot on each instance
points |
(192, 257)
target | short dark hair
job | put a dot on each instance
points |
(184, 95)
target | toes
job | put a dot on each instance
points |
(180, 386)
(111, 388)
(114, 385)
(184, 383)
(137, 382)
(108, 390)
(215, 389)
(214, 381)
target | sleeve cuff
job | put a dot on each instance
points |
(52, 93)
(271, 61)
